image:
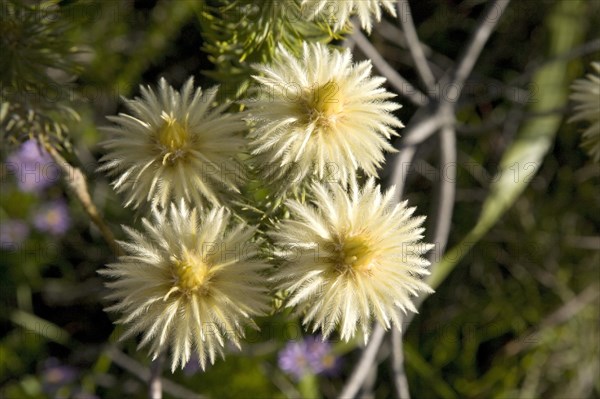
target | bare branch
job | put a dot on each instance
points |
(361, 371)
(143, 373)
(441, 117)
(402, 86)
(441, 232)
(369, 384)
(78, 185)
(402, 164)
(155, 382)
(437, 62)
(424, 128)
(445, 201)
(414, 45)
(485, 27)
(413, 135)
(400, 380)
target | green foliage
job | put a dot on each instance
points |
(32, 40)
(242, 32)
(36, 67)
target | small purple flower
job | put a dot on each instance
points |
(59, 375)
(293, 359)
(12, 233)
(33, 167)
(53, 217)
(56, 375)
(312, 355)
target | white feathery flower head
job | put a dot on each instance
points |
(586, 93)
(351, 256)
(338, 12)
(320, 116)
(188, 282)
(174, 145)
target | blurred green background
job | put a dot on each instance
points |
(518, 317)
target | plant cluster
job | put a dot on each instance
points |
(341, 255)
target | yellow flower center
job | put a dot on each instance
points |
(191, 274)
(53, 217)
(328, 361)
(322, 104)
(173, 137)
(355, 255)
